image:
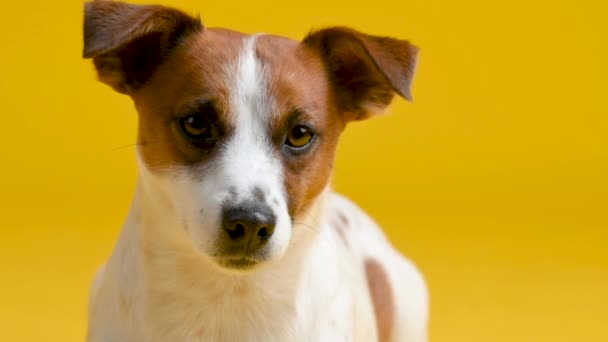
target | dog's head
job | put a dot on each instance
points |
(237, 133)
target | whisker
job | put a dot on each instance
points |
(316, 230)
(324, 238)
(128, 145)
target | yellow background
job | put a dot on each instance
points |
(494, 180)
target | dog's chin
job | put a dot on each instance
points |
(226, 259)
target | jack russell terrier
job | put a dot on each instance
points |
(234, 234)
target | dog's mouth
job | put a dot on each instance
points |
(238, 263)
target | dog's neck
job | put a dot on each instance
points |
(172, 274)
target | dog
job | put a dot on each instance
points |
(234, 233)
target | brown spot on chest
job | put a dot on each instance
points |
(382, 296)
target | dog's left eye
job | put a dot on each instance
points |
(199, 129)
(299, 137)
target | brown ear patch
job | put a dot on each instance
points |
(127, 42)
(382, 297)
(366, 71)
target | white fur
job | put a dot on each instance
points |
(162, 284)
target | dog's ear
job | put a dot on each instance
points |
(365, 71)
(127, 42)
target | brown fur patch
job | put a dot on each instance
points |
(342, 234)
(193, 75)
(341, 224)
(382, 298)
(342, 218)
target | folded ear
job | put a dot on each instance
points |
(365, 70)
(127, 42)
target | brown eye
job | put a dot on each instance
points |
(199, 129)
(299, 137)
(195, 125)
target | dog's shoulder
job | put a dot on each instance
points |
(396, 287)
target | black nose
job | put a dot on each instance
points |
(249, 226)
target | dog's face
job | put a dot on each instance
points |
(237, 133)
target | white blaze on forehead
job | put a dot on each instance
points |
(250, 78)
(248, 159)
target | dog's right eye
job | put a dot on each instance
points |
(195, 125)
(199, 129)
